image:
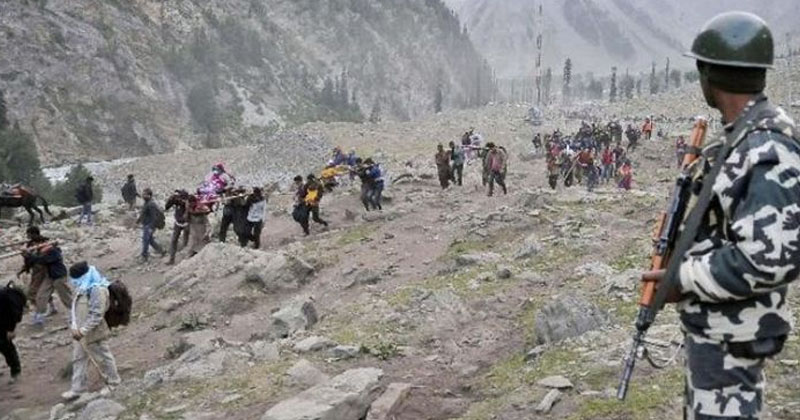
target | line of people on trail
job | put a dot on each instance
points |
(450, 162)
(588, 156)
(94, 305)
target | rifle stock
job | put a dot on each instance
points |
(666, 235)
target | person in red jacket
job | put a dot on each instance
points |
(647, 128)
(608, 164)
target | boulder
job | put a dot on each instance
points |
(313, 343)
(567, 316)
(345, 397)
(304, 374)
(298, 315)
(385, 406)
(465, 260)
(102, 409)
(221, 261)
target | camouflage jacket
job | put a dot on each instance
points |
(747, 251)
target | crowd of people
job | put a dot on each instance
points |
(593, 155)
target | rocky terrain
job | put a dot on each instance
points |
(96, 80)
(600, 34)
(445, 305)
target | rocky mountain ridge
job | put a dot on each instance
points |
(92, 79)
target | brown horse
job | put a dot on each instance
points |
(22, 196)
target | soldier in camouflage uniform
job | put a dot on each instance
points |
(733, 281)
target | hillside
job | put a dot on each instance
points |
(95, 79)
(599, 34)
(446, 304)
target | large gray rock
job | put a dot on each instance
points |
(385, 406)
(345, 397)
(102, 409)
(299, 314)
(271, 271)
(567, 316)
(548, 401)
(313, 343)
(303, 373)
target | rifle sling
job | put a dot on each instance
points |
(695, 218)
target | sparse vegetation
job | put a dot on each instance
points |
(63, 193)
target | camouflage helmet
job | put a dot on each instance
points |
(735, 39)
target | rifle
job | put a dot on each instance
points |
(28, 249)
(666, 235)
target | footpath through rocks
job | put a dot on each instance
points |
(446, 304)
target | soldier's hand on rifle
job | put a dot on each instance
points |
(657, 276)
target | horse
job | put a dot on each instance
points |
(21, 196)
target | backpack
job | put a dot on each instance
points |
(120, 304)
(161, 219)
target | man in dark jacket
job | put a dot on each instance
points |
(85, 197)
(148, 218)
(45, 258)
(240, 208)
(179, 200)
(12, 306)
(129, 192)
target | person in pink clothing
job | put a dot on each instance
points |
(215, 183)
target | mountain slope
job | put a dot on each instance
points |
(599, 34)
(94, 79)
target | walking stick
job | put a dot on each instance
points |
(94, 362)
